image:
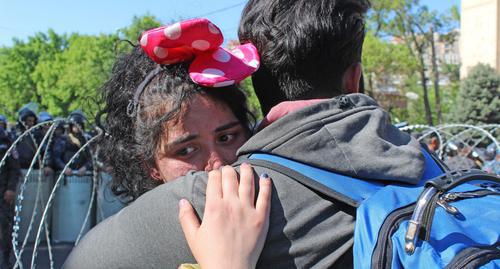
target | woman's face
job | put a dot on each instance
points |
(206, 136)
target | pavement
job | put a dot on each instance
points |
(59, 253)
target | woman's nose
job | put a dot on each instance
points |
(215, 161)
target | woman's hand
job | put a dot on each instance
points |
(234, 228)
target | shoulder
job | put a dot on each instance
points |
(145, 232)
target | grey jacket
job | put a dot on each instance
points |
(349, 135)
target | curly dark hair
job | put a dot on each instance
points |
(130, 144)
(305, 46)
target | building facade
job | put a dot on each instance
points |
(480, 34)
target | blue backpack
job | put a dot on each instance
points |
(448, 220)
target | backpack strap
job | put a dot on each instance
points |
(452, 179)
(352, 191)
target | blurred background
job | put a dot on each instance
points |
(434, 65)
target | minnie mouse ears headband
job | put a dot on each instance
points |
(198, 41)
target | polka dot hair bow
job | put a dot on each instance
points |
(198, 41)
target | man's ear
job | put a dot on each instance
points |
(351, 79)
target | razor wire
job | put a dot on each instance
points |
(19, 253)
(446, 134)
(52, 194)
(464, 134)
(20, 197)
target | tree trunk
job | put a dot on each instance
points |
(435, 73)
(423, 80)
(370, 90)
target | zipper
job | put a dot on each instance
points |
(443, 200)
(382, 253)
(429, 217)
(457, 196)
(469, 255)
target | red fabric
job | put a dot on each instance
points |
(199, 40)
(284, 108)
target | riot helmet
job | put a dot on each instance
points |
(24, 114)
(77, 117)
(44, 116)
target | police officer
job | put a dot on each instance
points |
(48, 165)
(72, 142)
(10, 174)
(28, 145)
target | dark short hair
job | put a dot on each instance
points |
(130, 144)
(305, 45)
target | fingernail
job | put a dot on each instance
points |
(183, 202)
(264, 176)
(244, 164)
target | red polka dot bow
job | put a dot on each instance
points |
(199, 40)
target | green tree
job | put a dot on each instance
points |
(72, 79)
(450, 90)
(385, 63)
(478, 100)
(132, 32)
(62, 72)
(139, 25)
(252, 100)
(412, 24)
(18, 80)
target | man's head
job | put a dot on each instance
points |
(309, 48)
(27, 118)
(76, 121)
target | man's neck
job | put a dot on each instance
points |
(284, 108)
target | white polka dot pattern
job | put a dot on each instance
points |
(224, 83)
(213, 29)
(199, 41)
(221, 55)
(254, 63)
(144, 40)
(173, 31)
(238, 53)
(212, 73)
(200, 45)
(160, 52)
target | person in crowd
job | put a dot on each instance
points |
(310, 51)
(10, 174)
(458, 157)
(433, 144)
(65, 147)
(48, 165)
(28, 145)
(492, 163)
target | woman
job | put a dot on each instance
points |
(163, 120)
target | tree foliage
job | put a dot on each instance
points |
(385, 63)
(18, 78)
(252, 100)
(411, 24)
(478, 100)
(139, 24)
(61, 72)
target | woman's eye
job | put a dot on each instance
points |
(185, 151)
(226, 138)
